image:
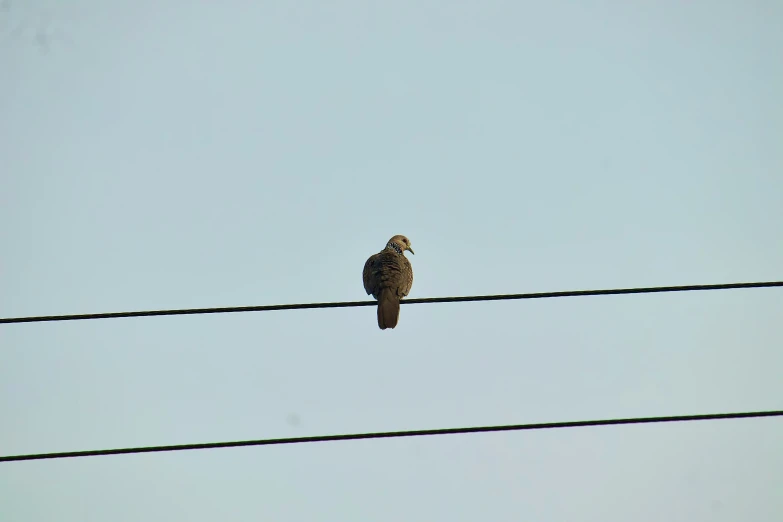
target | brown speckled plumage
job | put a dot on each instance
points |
(388, 276)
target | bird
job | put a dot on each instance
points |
(388, 276)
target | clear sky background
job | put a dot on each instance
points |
(198, 154)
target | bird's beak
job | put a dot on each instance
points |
(411, 251)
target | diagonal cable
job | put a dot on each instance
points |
(393, 434)
(427, 300)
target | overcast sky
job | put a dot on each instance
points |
(200, 154)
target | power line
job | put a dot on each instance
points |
(348, 304)
(393, 434)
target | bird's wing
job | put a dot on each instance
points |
(370, 282)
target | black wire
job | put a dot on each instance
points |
(303, 306)
(393, 434)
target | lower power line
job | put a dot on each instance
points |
(394, 434)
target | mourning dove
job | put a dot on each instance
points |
(388, 276)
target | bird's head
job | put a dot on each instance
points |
(400, 244)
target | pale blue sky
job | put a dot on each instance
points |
(180, 154)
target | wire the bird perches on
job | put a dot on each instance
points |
(426, 300)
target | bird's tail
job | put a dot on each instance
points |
(388, 309)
